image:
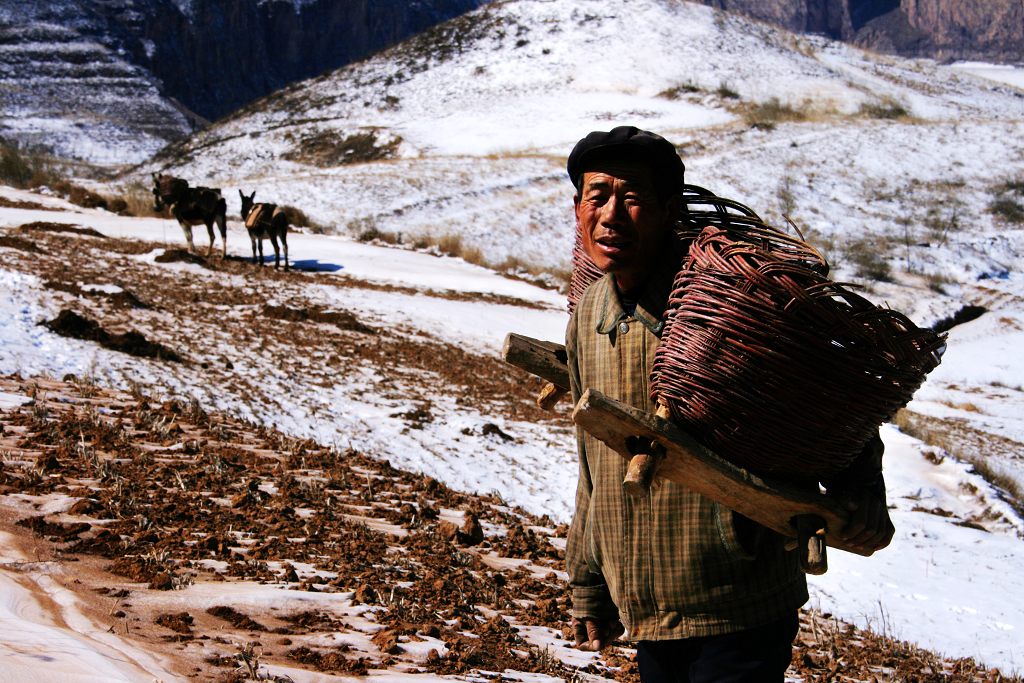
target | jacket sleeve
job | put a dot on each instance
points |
(590, 596)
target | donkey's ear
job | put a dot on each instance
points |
(241, 194)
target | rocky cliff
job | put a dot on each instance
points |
(992, 30)
(216, 55)
(68, 86)
(112, 81)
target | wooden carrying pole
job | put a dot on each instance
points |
(655, 447)
(792, 511)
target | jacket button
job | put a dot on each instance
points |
(623, 327)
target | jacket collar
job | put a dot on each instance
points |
(650, 308)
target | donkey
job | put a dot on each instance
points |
(192, 206)
(265, 220)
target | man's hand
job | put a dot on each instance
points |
(869, 528)
(593, 635)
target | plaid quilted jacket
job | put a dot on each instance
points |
(672, 564)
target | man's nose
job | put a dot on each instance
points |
(613, 210)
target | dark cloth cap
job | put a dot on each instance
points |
(627, 143)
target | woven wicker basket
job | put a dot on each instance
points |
(774, 366)
(763, 358)
(584, 272)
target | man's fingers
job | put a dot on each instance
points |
(593, 635)
(581, 633)
(869, 527)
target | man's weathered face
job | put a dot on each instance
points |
(624, 226)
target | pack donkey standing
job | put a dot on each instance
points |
(192, 206)
(265, 220)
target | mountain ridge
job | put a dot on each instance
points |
(946, 30)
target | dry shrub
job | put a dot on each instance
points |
(678, 91)
(766, 115)
(1005, 206)
(885, 108)
(138, 201)
(365, 229)
(1007, 209)
(15, 168)
(298, 217)
(76, 194)
(868, 261)
(726, 91)
(328, 148)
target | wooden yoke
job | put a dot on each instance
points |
(656, 447)
(800, 513)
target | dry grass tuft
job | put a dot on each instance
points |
(329, 148)
(884, 108)
(766, 115)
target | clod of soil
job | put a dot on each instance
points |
(121, 299)
(236, 618)
(180, 256)
(343, 320)
(179, 623)
(71, 324)
(15, 242)
(47, 226)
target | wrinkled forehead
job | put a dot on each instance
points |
(632, 174)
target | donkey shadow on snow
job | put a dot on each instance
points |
(264, 220)
(192, 206)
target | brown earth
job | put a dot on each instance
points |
(169, 498)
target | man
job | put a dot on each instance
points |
(707, 595)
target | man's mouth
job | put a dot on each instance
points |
(613, 244)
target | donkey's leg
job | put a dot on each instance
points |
(187, 229)
(252, 237)
(259, 241)
(284, 243)
(222, 223)
(277, 251)
(209, 230)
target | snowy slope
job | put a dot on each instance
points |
(947, 582)
(464, 129)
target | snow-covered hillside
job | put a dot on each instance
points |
(63, 90)
(946, 582)
(906, 173)
(464, 129)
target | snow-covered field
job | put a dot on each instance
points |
(944, 585)
(899, 159)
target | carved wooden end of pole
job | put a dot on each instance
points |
(647, 455)
(810, 531)
(549, 395)
(542, 359)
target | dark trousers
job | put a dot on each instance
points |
(757, 655)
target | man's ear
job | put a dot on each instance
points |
(672, 206)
